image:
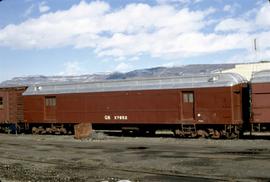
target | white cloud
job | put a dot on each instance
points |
(250, 56)
(247, 23)
(227, 7)
(71, 68)
(231, 8)
(57, 29)
(83, 24)
(29, 11)
(135, 58)
(238, 25)
(250, 28)
(43, 7)
(178, 1)
(263, 40)
(163, 31)
(123, 67)
(169, 64)
(263, 16)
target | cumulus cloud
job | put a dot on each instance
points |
(43, 7)
(161, 30)
(263, 17)
(231, 24)
(250, 28)
(231, 8)
(247, 23)
(109, 32)
(178, 1)
(57, 29)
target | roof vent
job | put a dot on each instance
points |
(214, 79)
(37, 88)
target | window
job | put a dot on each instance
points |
(185, 96)
(1, 103)
(188, 97)
(50, 101)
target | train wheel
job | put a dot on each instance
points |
(202, 134)
(35, 130)
(232, 136)
(178, 133)
(194, 134)
(49, 130)
(63, 130)
(41, 130)
(216, 134)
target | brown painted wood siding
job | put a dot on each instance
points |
(211, 106)
(33, 108)
(214, 106)
(260, 105)
(13, 105)
(4, 116)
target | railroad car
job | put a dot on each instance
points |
(11, 108)
(202, 105)
(260, 102)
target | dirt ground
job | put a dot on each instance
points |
(104, 158)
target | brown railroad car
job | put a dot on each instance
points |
(11, 106)
(203, 105)
(260, 101)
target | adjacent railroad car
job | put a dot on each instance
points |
(203, 105)
(260, 101)
(11, 107)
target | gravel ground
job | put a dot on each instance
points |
(124, 159)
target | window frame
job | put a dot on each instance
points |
(188, 97)
(50, 101)
(1, 102)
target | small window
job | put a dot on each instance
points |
(185, 96)
(50, 101)
(1, 103)
(188, 97)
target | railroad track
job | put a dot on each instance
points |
(163, 174)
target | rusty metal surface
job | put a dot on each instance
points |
(82, 130)
(12, 111)
(211, 106)
(4, 116)
(260, 105)
(195, 81)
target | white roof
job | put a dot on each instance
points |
(195, 81)
(261, 77)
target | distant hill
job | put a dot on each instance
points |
(172, 71)
(142, 73)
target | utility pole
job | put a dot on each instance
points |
(255, 43)
(256, 56)
(256, 48)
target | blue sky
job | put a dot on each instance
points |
(73, 37)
